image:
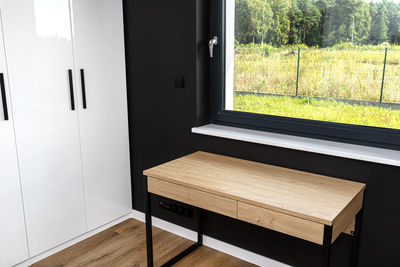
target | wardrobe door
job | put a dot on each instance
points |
(37, 35)
(100, 64)
(13, 246)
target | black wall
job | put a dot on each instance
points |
(164, 42)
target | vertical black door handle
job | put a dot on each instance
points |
(83, 85)
(3, 96)
(71, 89)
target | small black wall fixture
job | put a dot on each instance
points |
(179, 82)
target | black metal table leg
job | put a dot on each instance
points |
(199, 226)
(326, 246)
(149, 234)
(356, 239)
(149, 230)
(193, 247)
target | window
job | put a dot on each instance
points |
(328, 69)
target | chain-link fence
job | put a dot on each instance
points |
(359, 74)
(258, 69)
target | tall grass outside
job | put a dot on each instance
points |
(332, 74)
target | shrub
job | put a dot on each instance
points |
(343, 46)
(268, 49)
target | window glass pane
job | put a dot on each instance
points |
(326, 60)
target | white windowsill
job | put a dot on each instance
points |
(364, 153)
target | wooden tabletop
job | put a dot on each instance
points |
(310, 196)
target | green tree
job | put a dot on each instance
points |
(373, 11)
(279, 32)
(393, 13)
(311, 22)
(362, 23)
(322, 6)
(317, 22)
(253, 20)
(296, 18)
(347, 21)
(379, 30)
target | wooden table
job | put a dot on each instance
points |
(312, 207)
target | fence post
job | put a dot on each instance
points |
(298, 71)
(383, 75)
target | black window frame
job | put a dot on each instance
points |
(347, 133)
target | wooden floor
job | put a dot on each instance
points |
(125, 245)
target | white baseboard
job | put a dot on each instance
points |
(72, 242)
(211, 242)
(172, 228)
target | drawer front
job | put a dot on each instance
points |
(281, 222)
(193, 197)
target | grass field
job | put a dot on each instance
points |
(352, 74)
(323, 110)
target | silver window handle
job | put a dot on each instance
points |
(211, 44)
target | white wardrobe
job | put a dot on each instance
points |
(64, 150)
(13, 243)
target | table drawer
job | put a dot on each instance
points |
(193, 197)
(281, 222)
